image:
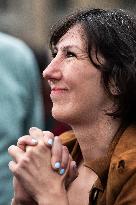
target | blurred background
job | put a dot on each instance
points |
(30, 20)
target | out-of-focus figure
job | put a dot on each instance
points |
(21, 105)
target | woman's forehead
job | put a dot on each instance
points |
(75, 36)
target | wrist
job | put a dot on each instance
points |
(13, 202)
(54, 197)
(16, 202)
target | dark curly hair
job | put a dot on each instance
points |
(113, 34)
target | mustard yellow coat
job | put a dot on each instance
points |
(116, 184)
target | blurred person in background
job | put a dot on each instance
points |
(21, 103)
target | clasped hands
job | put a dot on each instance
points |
(42, 167)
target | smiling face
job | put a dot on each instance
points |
(76, 90)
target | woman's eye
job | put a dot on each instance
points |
(70, 54)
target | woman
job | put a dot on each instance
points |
(92, 78)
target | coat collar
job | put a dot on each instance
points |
(120, 144)
(124, 140)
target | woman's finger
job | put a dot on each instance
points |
(12, 166)
(72, 174)
(26, 140)
(73, 171)
(48, 138)
(56, 154)
(64, 160)
(36, 133)
(15, 152)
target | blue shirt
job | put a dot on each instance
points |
(20, 102)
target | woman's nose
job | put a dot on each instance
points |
(52, 71)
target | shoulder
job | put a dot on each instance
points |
(15, 49)
(122, 167)
(122, 173)
(8, 41)
(17, 59)
(124, 155)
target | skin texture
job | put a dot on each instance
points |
(79, 99)
(59, 153)
(74, 81)
(32, 159)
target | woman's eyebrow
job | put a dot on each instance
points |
(67, 47)
(70, 46)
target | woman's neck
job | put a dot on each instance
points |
(95, 137)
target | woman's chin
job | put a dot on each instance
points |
(57, 115)
(61, 115)
(64, 117)
(65, 114)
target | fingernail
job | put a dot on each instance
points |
(11, 146)
(9, 164)
(34, 141)
(33, 128)
(57, 165)
(61, 171)
(50, 141)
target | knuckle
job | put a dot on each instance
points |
(42, 146)
(24, 162)
(23, 138)
(17, 171)
(48, 134)
(29, 150)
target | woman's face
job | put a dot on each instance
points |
(76, 90)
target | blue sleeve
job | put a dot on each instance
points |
(21, 104)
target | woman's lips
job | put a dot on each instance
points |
(58, 91)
